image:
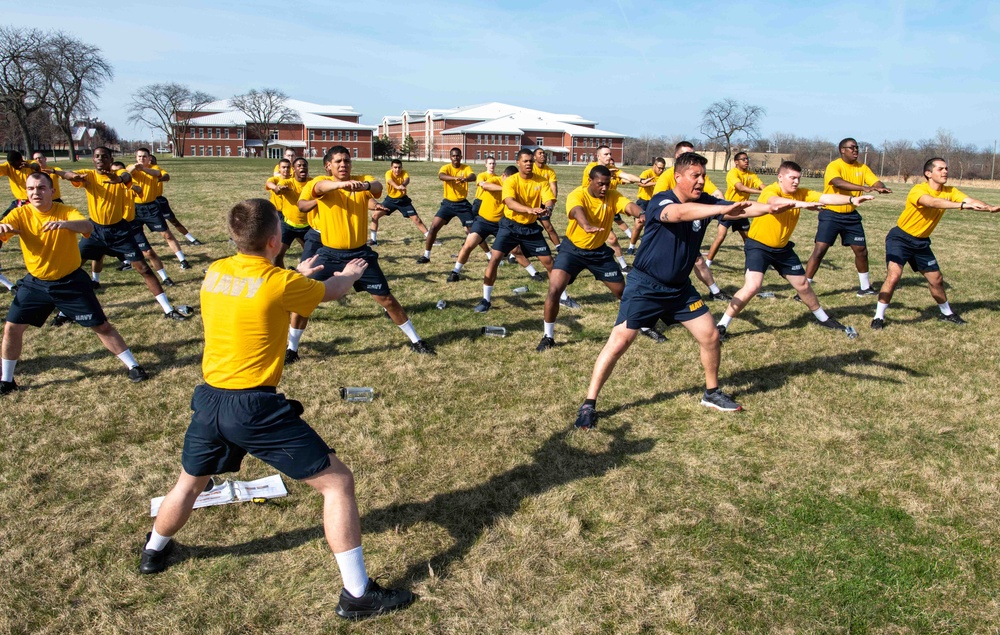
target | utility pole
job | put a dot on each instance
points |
(881, 165)
(993, 169)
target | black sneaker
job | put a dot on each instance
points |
(372, 243)
(422, 348)
(453, 277)
(423, 260)
(832, 324)
(60, 319)
(137, 374)
(196, 242)
(951, 317)
(95, 284)
(627, 269)
(570, 303)
(654, 335)
(167, 282)
(586, 417)
(185, 264)
(720, 401)
(538, 277)
(722, 332)
(154, 561)
(512, 259)
(869, 291)
(125, 266)
(375, 601)
(797, 298)
(630, 251)
(878, 324)
(721, 295)
(7, 387)
(546, 343)
(291, 356)
(483, 306)
(175, 315)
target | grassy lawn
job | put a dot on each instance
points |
(858, 492)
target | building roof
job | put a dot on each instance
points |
(495, 109)
(523, 123)
(221, 113)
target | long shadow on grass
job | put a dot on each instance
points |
(763, 379)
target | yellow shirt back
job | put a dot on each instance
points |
(245, 306)
(615, 179)
(341, 217)
(919, 221)
(105, 200)
(646, 191)
(666, 181)
(16, 178)
(774, 230)
(48, 255)
(390, 183)
(454, 191)
(492, 207)
(148, 184)
(857, 173)
(600, 213)
(159, 184)
(533, 192)
(547, 172)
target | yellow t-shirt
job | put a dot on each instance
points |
(48, 255)
(919, 221)
(857, 173)
(158, 188)
(747, 179)
(646, 191)
(666, 181)
(600, 213)
(453, 190)
(148, 184)
(547, 172)
(287, 201)
(390, 184)
(774, 230)
(16, 178)
(492, 207)
(106, 201)
(615, 179)
(341, 217)
(245, 306)
(129, 201)
(533, 192)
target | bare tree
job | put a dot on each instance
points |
(25, 76)
(727, 119)
(168, 108)
(78, 74)
(265, 110)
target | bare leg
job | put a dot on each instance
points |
(558, 281)
(148, 276)
(893, 274)
(812, 265)
(393, 308)
(860, 258)
(704, 331)
(341, 523)
(419, 223)
(436, 226)
(176, 507)
(936, 282)
(111, 338)
(551, 231)
(619, 341)
(751, 285)
(13, 340)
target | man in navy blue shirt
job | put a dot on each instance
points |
(659, 286)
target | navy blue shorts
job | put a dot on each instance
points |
(600, 262)
(165, 211)
(735, 224)
(476, 204)
(528, 237)
(72, 294)
(642, 203)
(228, 424)
(847, 226)
(116, 240)
(783, 259)
(334, 260)
(484, 227)
(645, 301)
(289, 233)
(311, 244)
(904, 249)
(140, 236)
(450, 209)
(149, 215)
(402, 205)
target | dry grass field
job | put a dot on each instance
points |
(857, 493)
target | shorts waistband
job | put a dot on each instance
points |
(268, 389)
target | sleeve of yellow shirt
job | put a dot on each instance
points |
(302, 295)
(870, 178)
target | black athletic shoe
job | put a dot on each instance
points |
(511, 258)
(372, 243)
(453, 277)
(878, 324)
(125, 266)
(630, 251)
(869, 291)
(60, 319)
(538, 277)
(832, 324)
(154, 561)
(570, 303)
(137, 374)
(951, 317)
(7, 387)
(720, 401)
(546, 343)
(185, 264)
(375, 601)
(167, 282)
(654, 335)
(291, 356)
(196, 242)
(175, 315)
(422, 348)
(423, 260)
(483, 306)
(95, 284)
(722, 332)
(586, 417)
(721, 295)
(797, 298)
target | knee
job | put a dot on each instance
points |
(104, 329)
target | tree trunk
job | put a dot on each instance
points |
(29, 142)
(71, 146)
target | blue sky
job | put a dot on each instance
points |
(872, 70)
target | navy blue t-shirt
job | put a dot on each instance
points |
(668, 250)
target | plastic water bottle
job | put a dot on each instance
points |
(766, 294)
(356, 393)
(851, 333)
(441, 304)
(520, 290)
(494, 331)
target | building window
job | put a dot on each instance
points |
(218, 151)
(506, 156)
(225, 133)
(312, 135)
(191, 152)
(201, 133)
(324, 135)
(339, 136)
(209, 153)
(574, 157)
(239, 133)
(538, 141)
(218, 133)
(229, 151)
(479, 139)
(355, 135)
(479, 155)
(274, 135)
(355, 153)
(201, 150)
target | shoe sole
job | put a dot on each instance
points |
(709, 404)
(361, 615)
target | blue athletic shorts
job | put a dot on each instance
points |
(645, 301)
(904, 249)
(484, 227)
(334, 260)
(116, 240)
(600, 262)
(451, 209)
(528, 237)
(311, 244)
(289, 233)
(783, 259)
(476, 204)
(149, 215)
(402, 205)
(72, 294)
(735, 224)
(847, 226)
(165, 211)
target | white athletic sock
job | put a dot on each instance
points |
(489, 255)
(809, 280)
(945, 308)
(564, 296)
(164, 303)
(190, 238)
(163, 274)
(487, 293)
(865, 283)
(407, 328)
(880, 310)
(708, 263)
(531, 270)
(352, 571)
(628, 232)
(95, 276)
(725, 320)
(621, 261)
(714, 288)
(294, 337)
(372, 235)
(549, 328)
(644, 328)
(821, 315)
(180, 255)
(5, 282)
(427, 254)
(426, 233)
(8, 369)
(127, 358)
(458, 267)
(157, 542)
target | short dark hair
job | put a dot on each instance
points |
(396, 162)
(152, 159)
(105, 148)
(146, 150)
(599, 170)
(297, 159)
(929, 164)
(119, 164)
(524, 152)
(683, 144)
(40, 175)
(737, 156)
(789, 165)
(335, 150)
(599, 148)
(15, 158)
(687, 160)
(510, 170)
(251, 223)
(284, 161)
(843, 142)
(454, 149)
(659, 160)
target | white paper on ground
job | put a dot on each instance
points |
(233, 492)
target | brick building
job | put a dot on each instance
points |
(221, 131)
(500, 130)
